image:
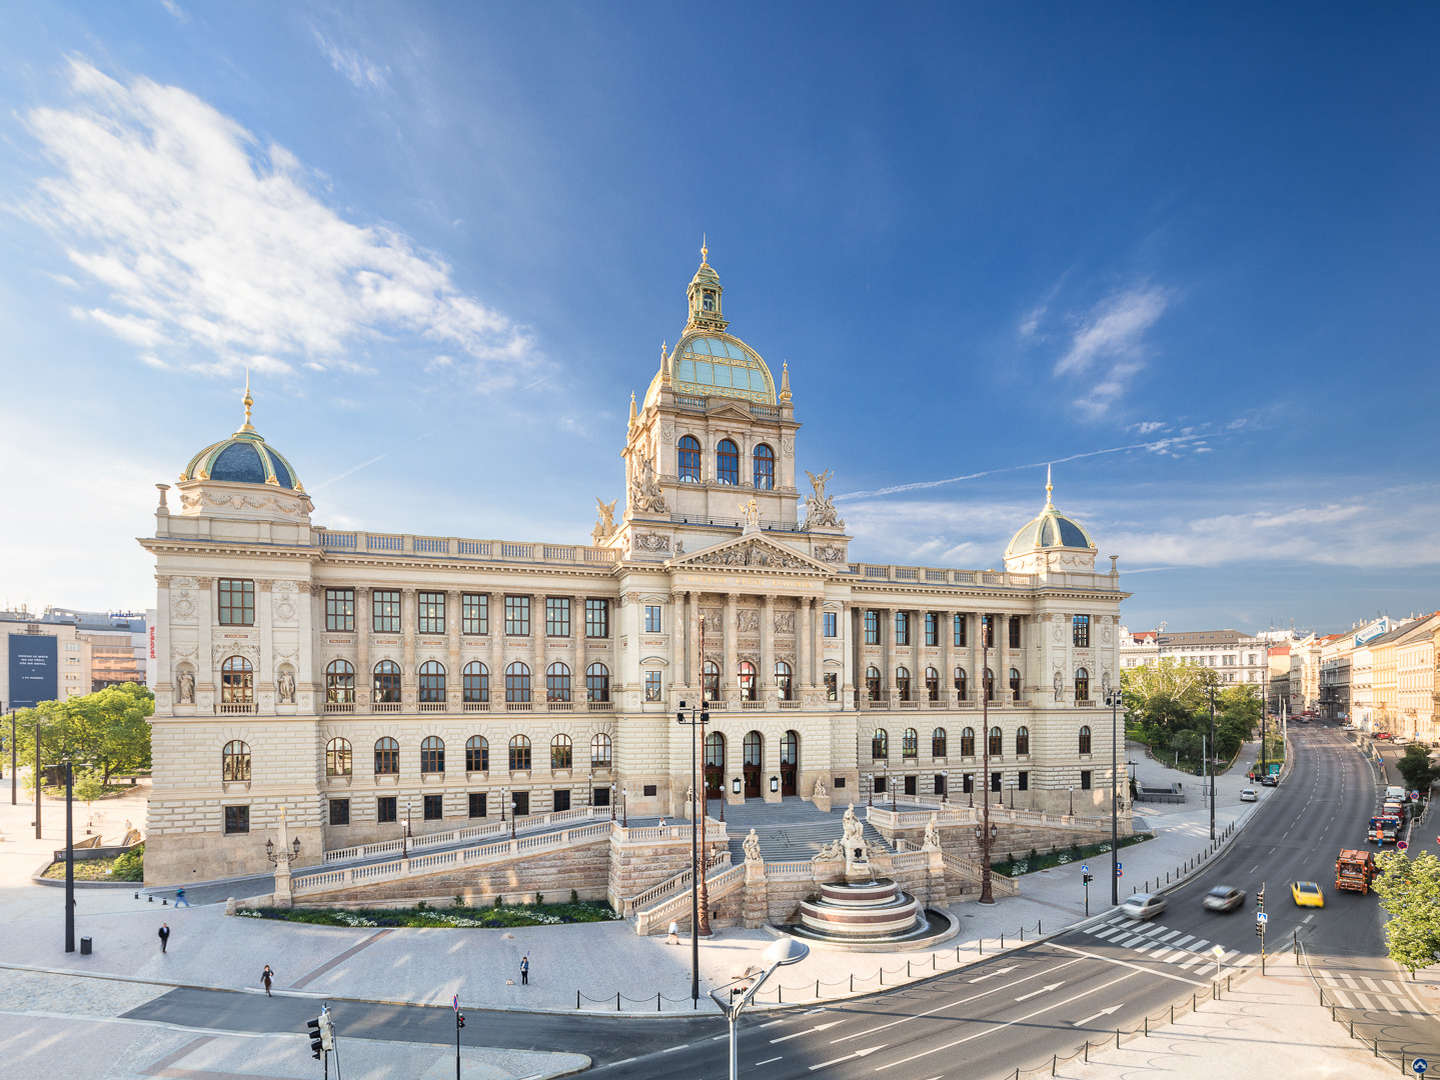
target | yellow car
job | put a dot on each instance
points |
(1306, 894)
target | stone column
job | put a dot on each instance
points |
(207, 666)
(161, 629)
(917, 641)
(1002, 647)
(497, 650)
(975, 631)
(692, 644)
(678, 650)
(804, 645)
(767, 649)
(854, 657)
(947, 657)
(537, 665)
(582, 649)
(407, 641)
(453, 679)
(885, 620)
(364, 681)
(729, 670)
(817, 642)
(265, 670)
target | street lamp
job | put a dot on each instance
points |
(944, 786)
(1211, 763)
(780, 953)
(699, 890)
(869, 789)
(514, 806)
(1113, 699)
(69, 855)
(275, 856)
(986, 834)
(625, 807)
(612, 800)
(1072, 802)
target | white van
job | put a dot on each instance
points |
(1399, 794)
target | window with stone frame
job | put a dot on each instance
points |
(880, 745)
(1022, 741)
(932, 684)
(784, 680)
(727, 462)
(432, 681)
(1085, 779)
(477, 754)
(517, 682)
(597, 682)
(1014, 631)
(1082, 684)
(386, 810)
(997, 743)
(235, 762)
(831, 624)
(1080, 631)
(434, 807)
(519, 753)
(338, 758)
(386, 681)
(387, 756)
(385, 611)
(832, 686)
(339, 811)
(475, 682)
(932, 628)
(764, 459)
(340, 610)
(557, 682)
(654, 619)
(688, 450)
(557, 616)
(477, 804)
(872, 627)
(600, 751)
(959, 630)
(967, 742)
(236, 602)
(872, 683)
(653, 686)
(237, 819)
(961, 688)
(562, 752)
(432, 754)
(430, 612)
(597, 617)
(474, 613)
(339, 683)
(1084, 740)
(902, 683)
(939, 742)
(902, 628)
(517, 616)
(910, 743)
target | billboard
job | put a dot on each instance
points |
(34, 669)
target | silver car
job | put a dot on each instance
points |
(1224, 898)
(1143, 905)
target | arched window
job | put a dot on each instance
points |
(932, 684)
(727, 462)
(989, 685)
(561, 752)
(337, 757)
(600, 751)
(902, 683)
(996, 745)
(938, 742)
(880, 744)
(432, 754)
(557, 682)
(1082, 684)
(872, 683)
(710, 678)
(475, 681)
(597, 682)
(790, 748)
(960, 687)
(715, 751)
(477, 754)
(1085, 739)
(764, 467)
(519, 753)
(1022, 741)
(237, 681)
(747, 680)
(517, 682)
(910, 743)
(432, 681)
(783, 679)
(690, 459)
(753, 749)
(387, 756)
(340, 683)
(1014, 684)
(235, 761)
(967, 742)
(387, 681)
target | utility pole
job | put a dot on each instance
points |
(69, 856)
(699, 717)
(1210, 764)
(986, 897)
(14, 768)
(1113, 700)
(37, 779)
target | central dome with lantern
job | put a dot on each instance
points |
(1051, 540)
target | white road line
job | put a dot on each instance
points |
(858, 1053)
(807, 1031)
(672, 1049)
(1188, 964)
(1346, 980)
(1229, 956)
(1125, 963)
(767, 1061)
(1168, 935)
(1369, 983)
(1198, 946)
(1127, 942)
(1171, 956)
(1307, 918)
(1006, 1024)
(1153, 948)
(1364, 1000)
(1184, 941)
(1111, 932)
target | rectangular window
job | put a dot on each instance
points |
(385, 810)
(597, 618)
(562, 799)
(237, 602)
(872, 628)
(477, 804)
(1014, 632)
(650, 790)
(385, 611)
(1084, 779)
(987, 631)
(557, 616)
(839, 781)
(237, 819)
(832, 624)
(878, 784)
(431, 608)
(340, 609)
(1023, 783)
(653, 623)
(517, 616)
(339, 811)
(434, 807)
(959, 629)
(994, 781)
(600, 796)
(932, 628)
(902, 628)
(967, 783)
(652, 686)
(832, 686)
(474, 613)
(1080, 631)
(520, 803)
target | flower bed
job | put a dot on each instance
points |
(425, 917)
(1013, 867)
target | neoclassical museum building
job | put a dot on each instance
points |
(366, 680)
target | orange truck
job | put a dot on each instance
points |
(1354, 870)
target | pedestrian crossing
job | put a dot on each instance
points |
(1364, 992)
(1158, 942)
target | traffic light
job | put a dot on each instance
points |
(1260, 899)
(316, 1030)
(327, 1031)
(1259, 929)
(459, 1020)
(1087, 878)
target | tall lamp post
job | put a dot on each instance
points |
(699, 901)
(1211, 763)
(69, 856)
(1113, 699)
(778, 953)
(14, 771)
(38, 783)
(986, 897)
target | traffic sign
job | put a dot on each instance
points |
(1119, 866)
(1415, 797)
(1401, 845)
(455, 1003)
(1419, 1065)
(1084, 869)
(1261, 917)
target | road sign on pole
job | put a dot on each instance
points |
(1420, 1065)
(1262, 918)
(1084, 869)
(1401, 845)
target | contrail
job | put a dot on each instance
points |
(1154, 444)
(350, 471)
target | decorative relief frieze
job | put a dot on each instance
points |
(830, 553)
(784, 622)
(654, 542)
(751, 554)
(748, 620)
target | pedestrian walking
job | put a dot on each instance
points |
(180, 900)
(164, 935)
(525, 970)
(265, 977)
(674, 933)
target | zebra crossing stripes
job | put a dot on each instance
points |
(1157, 942)
(1359, 991)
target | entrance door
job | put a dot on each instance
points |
(714, 765)
(521, 802)
(789, 762)
(754, 763)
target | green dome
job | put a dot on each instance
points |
(1051, 529)
(243, 458)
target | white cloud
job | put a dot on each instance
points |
(175, 10)
(1108, 348)
(1148, 427)
(216, 253)
(363, 74)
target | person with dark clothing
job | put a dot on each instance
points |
(265, 977)
(164, 936)
(525, 970)
(180, 900)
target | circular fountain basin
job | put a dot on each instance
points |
(869, 915)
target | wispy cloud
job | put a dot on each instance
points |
(1109, 349)
(362, 73)
(175, 10)
(216, 253)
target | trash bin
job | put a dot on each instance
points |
(84, 946)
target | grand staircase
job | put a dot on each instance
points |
(789, 830)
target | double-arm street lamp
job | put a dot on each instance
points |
(695, 718)
(1113, 698)
(987, 834)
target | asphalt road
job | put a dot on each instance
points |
(1014, 1010)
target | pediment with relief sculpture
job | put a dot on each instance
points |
(752, 552)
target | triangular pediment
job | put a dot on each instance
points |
(737, 409)
(751, 551)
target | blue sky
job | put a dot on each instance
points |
(449, 240)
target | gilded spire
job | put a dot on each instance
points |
(632, 408)
(785, 381)
(665, 362)
(1049, 490)
(704, 249)
(248, 401)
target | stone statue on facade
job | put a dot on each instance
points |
(186, 686)
(750, 514)
(831, 852)
(1059, 686)
(852, 830)
(645, 494)
(932, 834)
(285, 687)
(820, 510)
(1105, 683)
(752, 847)
(604, 520)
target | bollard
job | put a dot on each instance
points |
(1352, 1029)
(981, 943)
(657, 1001)
(1054, 1063)
(1022, 933)
(1087, 1051)
(1377, 1048)
(617, 1000)
(780, 995)
(908, 973)
(1192, 1002)
(1172, 1012)
(852, 982)
(1117, 1038)
(1147, 1025)
(934, 961)
(957, 954)
(1039, 928)
(1227, 982)
(1002, 940)
(817, 988)
(577, 999)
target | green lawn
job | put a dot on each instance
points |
(127, 867)
(1029, 864)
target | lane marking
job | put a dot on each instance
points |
(808, 1031)
(1042, 990)
(768, 1061)
(847, 1057)
(1168, 935)
(1184, 941)
(1102, 1012)
(992, 974)
(672, 1049)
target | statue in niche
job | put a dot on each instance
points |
(1059, 686)
(285, 687)
(820, 510)
(604, 520)
(932, 834)
(645, 494)
(186, 686)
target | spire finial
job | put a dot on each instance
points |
(632, 407)
(665, 362)
(248, 401)
(785, 381)
(1049, 490)
(704, 249)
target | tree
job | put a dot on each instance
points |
(1415, 767)
(1409, 891)
(106, 729)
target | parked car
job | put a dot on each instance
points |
(1143, 905)
(1249, 794)
(1224, 898)
(1383, 735)
(1270, 780)
(1306, 894)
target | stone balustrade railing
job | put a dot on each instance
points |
(949, 813)
(717, 885)
(456, 547)
(794, 870)
(677, 883)
(524, 824)
(972, 871)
